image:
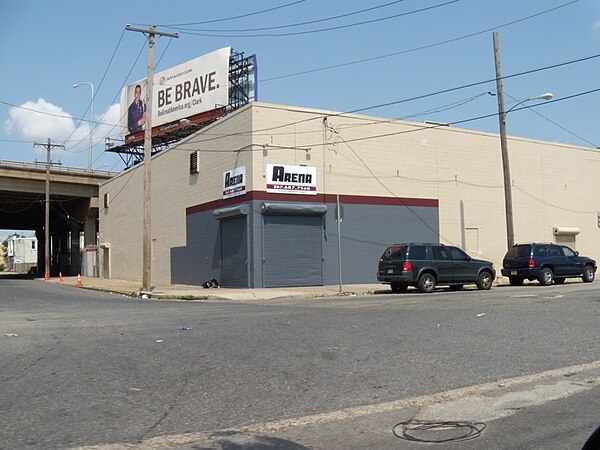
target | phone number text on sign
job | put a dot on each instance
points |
(293, 189)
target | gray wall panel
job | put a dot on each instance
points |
(366, 230)
(198, 261)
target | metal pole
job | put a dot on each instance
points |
(91, 128)
(510, 234)
(338, 214)
(47, 216)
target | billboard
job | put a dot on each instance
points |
(234, 182)
(193, 87)
(285, 179)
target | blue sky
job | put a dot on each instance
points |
(47, 46)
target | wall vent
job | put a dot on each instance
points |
(194, 157)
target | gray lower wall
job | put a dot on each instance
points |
(198, 261)
(366, 230)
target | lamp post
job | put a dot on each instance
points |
(89, 168)
(510, 233)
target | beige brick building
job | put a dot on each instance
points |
(397, 181)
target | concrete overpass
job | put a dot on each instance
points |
(73, 209)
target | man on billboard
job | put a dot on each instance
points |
(136, 115)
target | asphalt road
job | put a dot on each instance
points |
(88, 368)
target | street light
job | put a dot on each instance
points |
(91, 121)
(547, 96)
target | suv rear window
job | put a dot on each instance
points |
(396, 252)
(518, 251)
(417, 252)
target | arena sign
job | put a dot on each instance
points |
(193, 87)
(234, 182)
(285, 179)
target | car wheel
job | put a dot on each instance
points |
(484, 281)
(426, 283)
(515, 281)
(559, 280)
(399, 287)
(588, 274)
(546, 277)
(456, 287)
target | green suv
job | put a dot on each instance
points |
(427, 265)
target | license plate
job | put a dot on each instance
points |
(513, 272)
(390, 271)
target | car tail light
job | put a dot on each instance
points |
(407, 266)
(531, 263)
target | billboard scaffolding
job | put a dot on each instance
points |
(242, 90)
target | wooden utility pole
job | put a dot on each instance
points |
(49, 146)
(146, 234)
(510, 234)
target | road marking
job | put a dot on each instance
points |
(277, 426)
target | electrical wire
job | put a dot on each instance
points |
(309, 22)
(107, 134)
(113, 197)
(558, 125)
(539, 200)
(98, 88)
(376, 178)
(37, 200)
(350, 112)
(321, 30)
(229, 18)
(118, 92)
(415, 49)
(415, 128)
(405, 100)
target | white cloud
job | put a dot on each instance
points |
(596, 25)
(107, 122)
(38, 121)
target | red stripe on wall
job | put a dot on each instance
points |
(319, 198)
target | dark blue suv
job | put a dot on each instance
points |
(547, 263)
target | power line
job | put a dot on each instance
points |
(115, 98)
(409, 99)
(341, 114)
(324, 19)
(321, 30)
(415, 49)
(229, 18)
(99, 87)
(423, 221)
(416, 128)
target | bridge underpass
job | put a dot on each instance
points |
(73, 210)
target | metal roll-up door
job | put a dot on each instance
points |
(292, 250)
(234, 252)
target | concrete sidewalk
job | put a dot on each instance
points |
(190, 292)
